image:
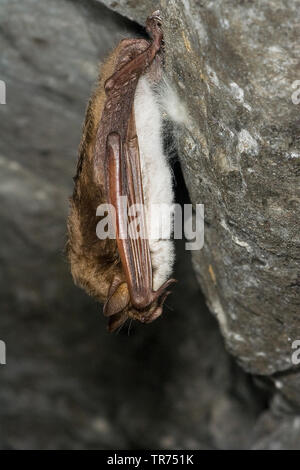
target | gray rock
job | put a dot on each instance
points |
(277, 433)
(136, 11)
(234, 69)
(234, 65)
(67, 383)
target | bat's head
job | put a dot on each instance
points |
(119, 307)
(148, 315)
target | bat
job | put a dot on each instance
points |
(121, 154)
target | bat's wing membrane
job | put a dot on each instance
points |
(125, 179)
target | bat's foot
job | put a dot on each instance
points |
(155, 16)
(154, 27)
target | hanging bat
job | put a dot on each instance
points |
(121, 154)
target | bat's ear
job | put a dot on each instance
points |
(117, 300)
(116, 321)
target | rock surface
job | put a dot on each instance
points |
(234, 66)
(67, 382)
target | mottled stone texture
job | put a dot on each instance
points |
(67, 382)
(233, 64)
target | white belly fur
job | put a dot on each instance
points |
(156, 175)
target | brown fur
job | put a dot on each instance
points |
(95, 264)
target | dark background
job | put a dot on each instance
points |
(68, 383)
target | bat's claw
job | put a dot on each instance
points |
(156, 15)
(154, 26)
